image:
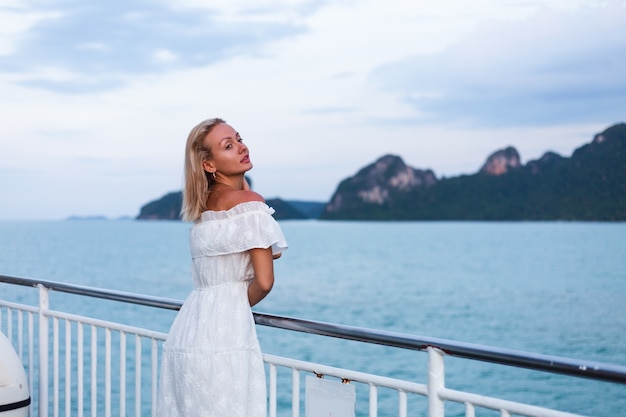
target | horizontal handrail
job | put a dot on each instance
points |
(127, 297)
(536, 361)
(510, 357)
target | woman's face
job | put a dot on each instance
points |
(229, 154)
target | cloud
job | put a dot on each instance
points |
(108, 41)
(165, 55)
(548, 69)
(15, 20)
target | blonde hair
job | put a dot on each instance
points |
(198, 182)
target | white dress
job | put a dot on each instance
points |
(212, 364)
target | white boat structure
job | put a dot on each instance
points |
(78, 365)
(14, 393)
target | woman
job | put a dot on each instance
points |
(212, 363)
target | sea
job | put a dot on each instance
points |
(556, 288)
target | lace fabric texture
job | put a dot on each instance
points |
(212, 364)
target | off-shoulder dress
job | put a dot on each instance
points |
(212, 364)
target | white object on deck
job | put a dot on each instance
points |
(14, 395)
(329, 398)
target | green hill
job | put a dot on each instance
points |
(590, 185)
(168, 208)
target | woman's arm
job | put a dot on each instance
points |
(263, 280)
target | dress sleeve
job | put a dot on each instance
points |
(258, 229)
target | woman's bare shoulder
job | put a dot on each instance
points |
(236, 197)
(227, 199)
(245, 196)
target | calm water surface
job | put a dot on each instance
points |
(554, 288)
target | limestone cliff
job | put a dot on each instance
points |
(501, 162)
(378, 183)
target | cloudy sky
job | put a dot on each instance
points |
(97, 98)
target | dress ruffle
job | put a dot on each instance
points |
(251, 222)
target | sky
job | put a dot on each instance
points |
(97, 98)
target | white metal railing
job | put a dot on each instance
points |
(82, 380)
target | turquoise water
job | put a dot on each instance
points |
(554, 288)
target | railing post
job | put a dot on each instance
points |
(272, 391)
(436, 382)
(44, 305)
